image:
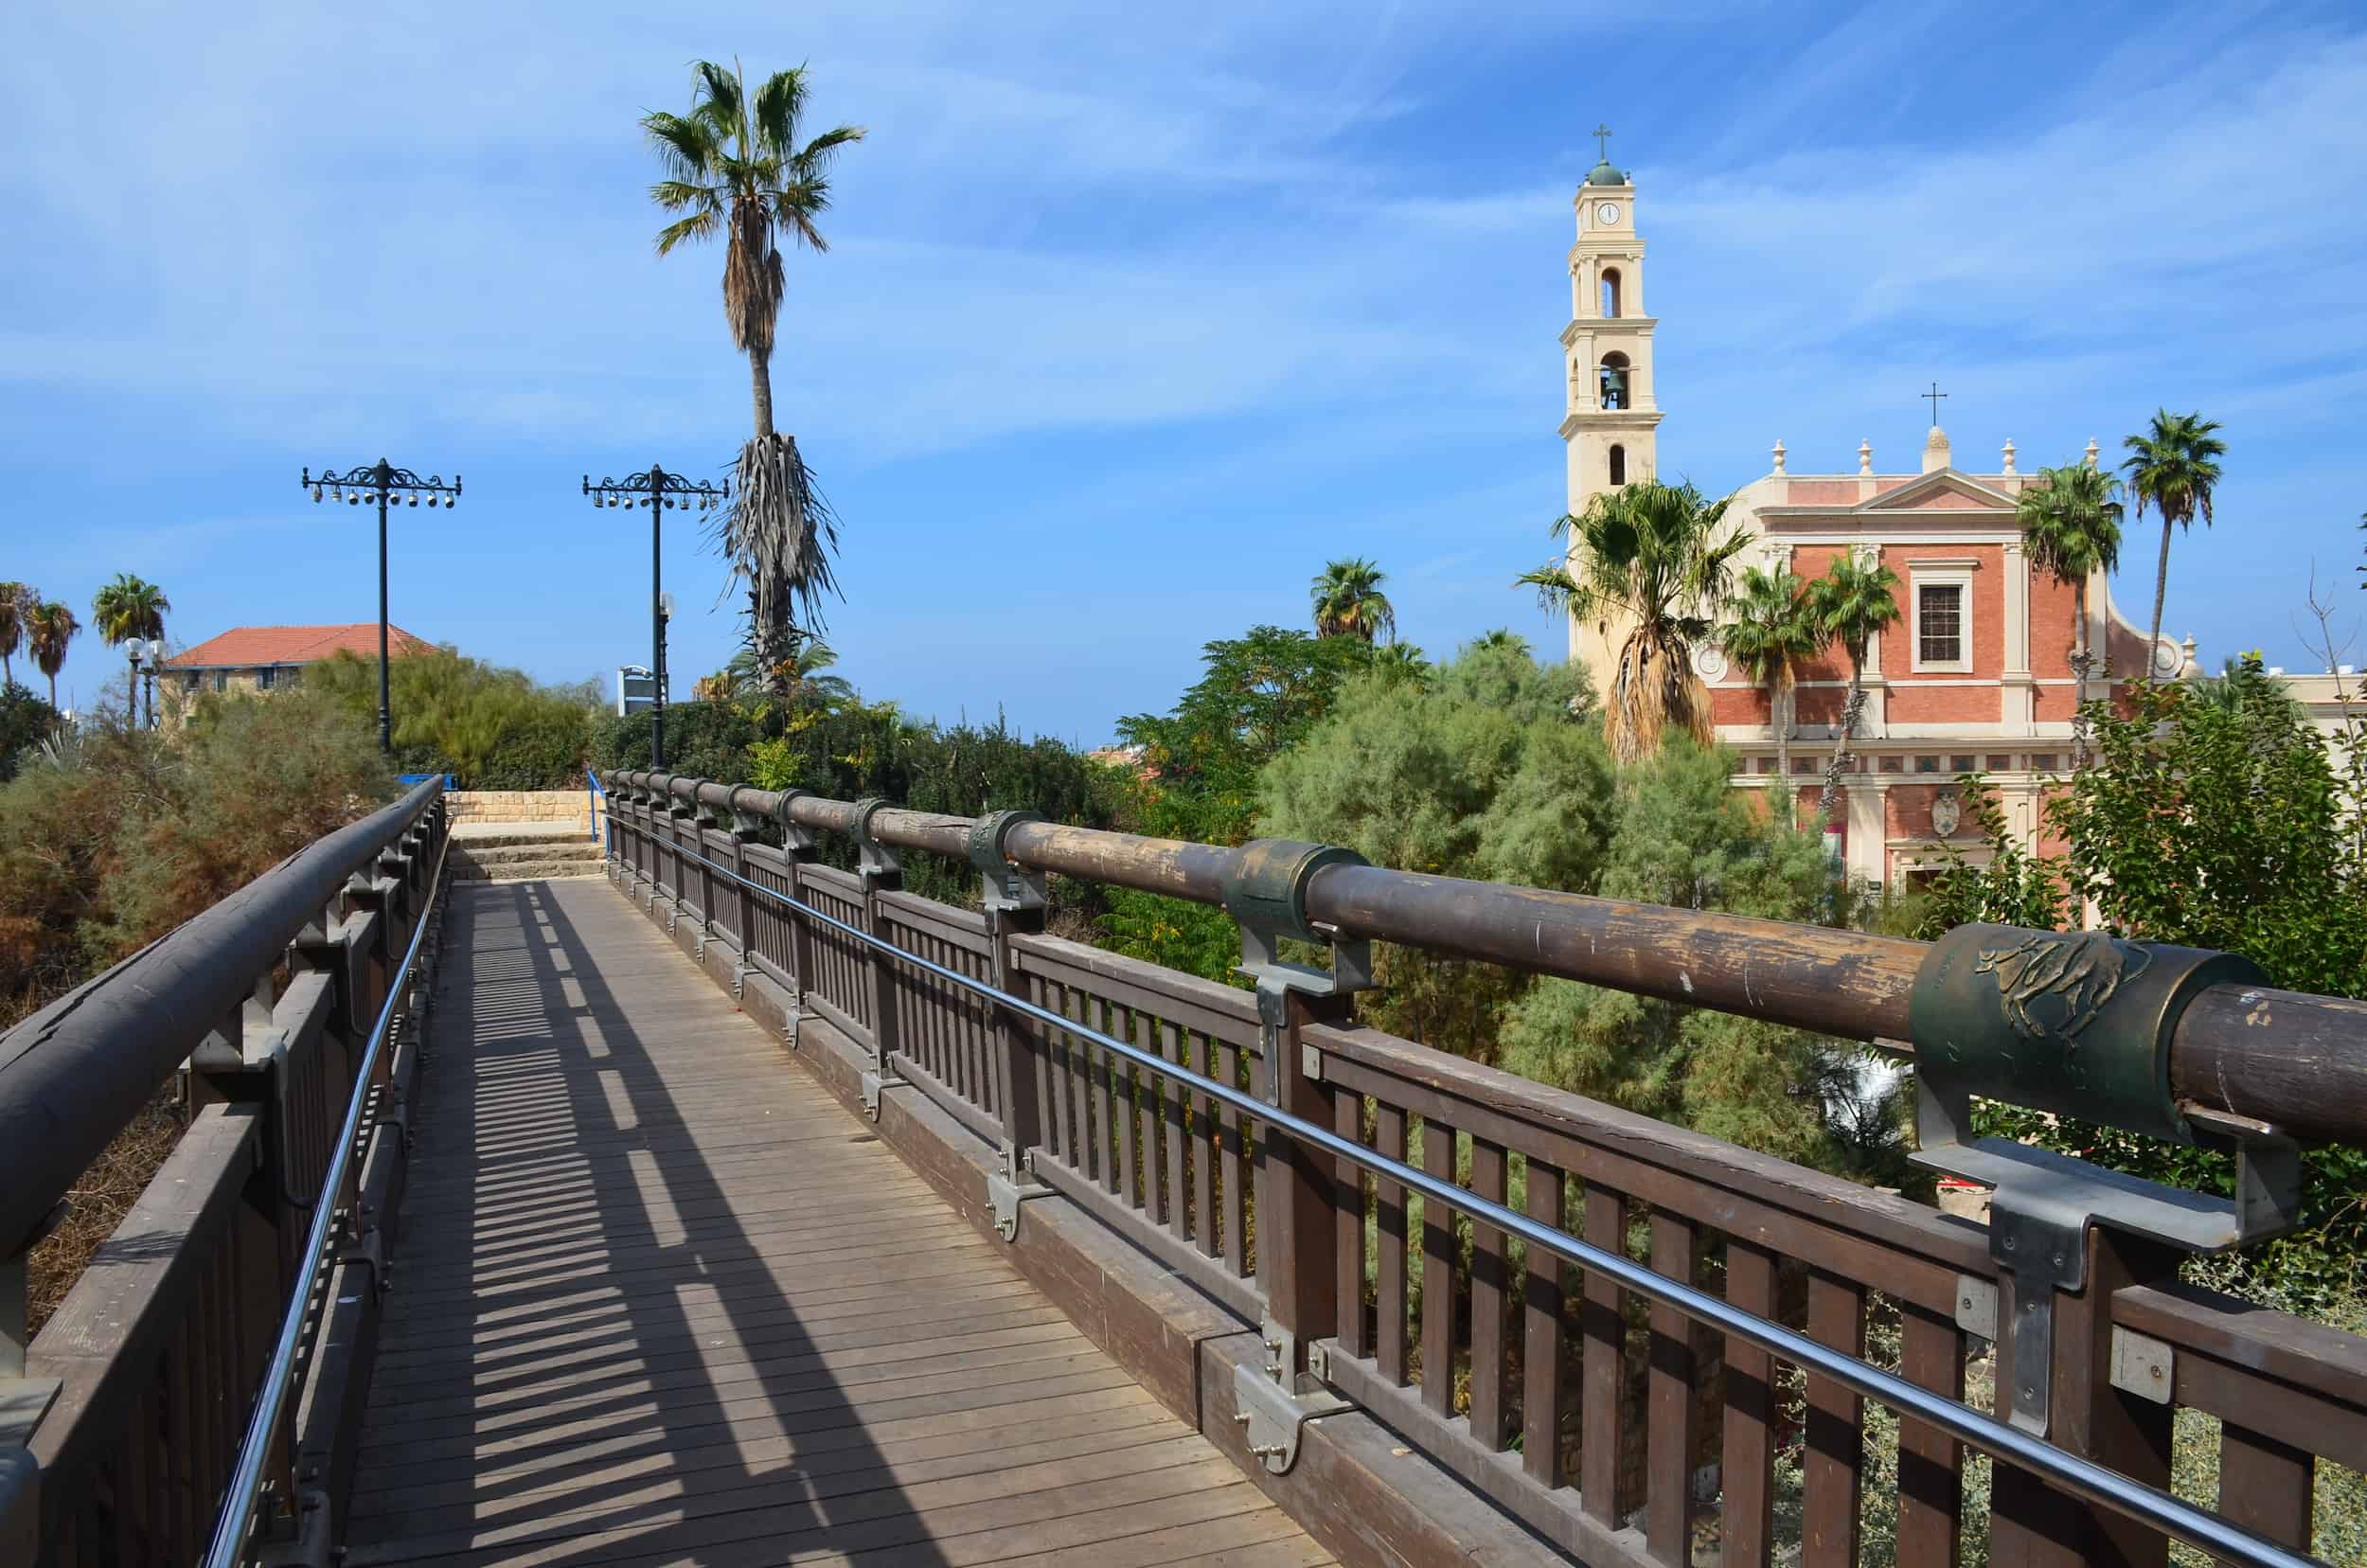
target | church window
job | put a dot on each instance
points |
(1619, 464)
(1610, 302)
(1894, 764)
(1957, 762)
(1615, 381)
(1943, 611)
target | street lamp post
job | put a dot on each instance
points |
(656, 490)
(155, 662)
(384, 479)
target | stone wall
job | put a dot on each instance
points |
(557, 807)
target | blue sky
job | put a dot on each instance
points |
(1134, 315)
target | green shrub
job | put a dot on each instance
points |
(491, 728)
(24, 721)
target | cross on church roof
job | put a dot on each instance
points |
(1934, 395)
(1602, 142)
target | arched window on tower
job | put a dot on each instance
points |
(1610, 292)
(1619, 464)
(1614, 379)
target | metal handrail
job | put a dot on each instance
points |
(228, 1546)
(2197, 1528)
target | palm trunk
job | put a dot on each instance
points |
(2160, 592)
(760, 379)
(1829, 805)
(8, 674)
(2080, 659)
(53, 694)
(1781, 721)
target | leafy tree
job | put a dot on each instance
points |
(48, 628)
(1767, 636)
(737, 166)
(1850, 604)
(1349, 601)
(1481, 773)
(1503, 638)
(2214, 819)
(1683, 835)
(492, 728)
(129, 607)
(2243, 682)
(1256, 696)
(17, 602)
(2174, 467)
(25, 719)
(2071, 527)
(1649, 557)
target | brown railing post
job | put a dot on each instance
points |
(1014, 903)
(881, 872)
(1297, 1238)
(747, 827)
(2032, 1524)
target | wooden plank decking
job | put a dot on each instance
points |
(660, 1299)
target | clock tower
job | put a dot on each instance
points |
(1610, 415)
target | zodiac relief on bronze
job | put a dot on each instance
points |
(2082, 972)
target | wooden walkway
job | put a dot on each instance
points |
(660, 1299)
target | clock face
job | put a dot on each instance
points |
(1606, 213)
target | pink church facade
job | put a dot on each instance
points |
(1975, 676)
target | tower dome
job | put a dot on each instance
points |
(1603, 174)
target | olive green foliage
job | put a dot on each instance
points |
(491, 728)
(2213, 819)
(1484, 772)
(25, 719)
(1481, 771)
(1684, 836)
(110, 839)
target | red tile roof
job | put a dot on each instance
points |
(248, 646)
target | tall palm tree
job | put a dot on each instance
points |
(2172, 468)
(1649, 557)
(736, 167)
(48, 630)
(17, 602)
(1768, 636)
(2071, 527)
(129, 607)
(1349, 601)
(1850, 604)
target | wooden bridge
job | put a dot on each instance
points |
(742, 1207)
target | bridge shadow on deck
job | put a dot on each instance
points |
(660, 1299)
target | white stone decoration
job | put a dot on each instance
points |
(1709, 662)
(1946, 812)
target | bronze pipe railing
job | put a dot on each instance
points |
(2288, 1058)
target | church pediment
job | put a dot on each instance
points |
(1945, 490)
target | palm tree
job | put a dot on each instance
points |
(1850, 604)
(129, 607)
(1349, 601)
(1501, 640)
(2172, 468)
(17, 602)
(1402, 662)
(48, 630)
(1649, 556)
(736, 167)
(2071, 527)
(1768, 636)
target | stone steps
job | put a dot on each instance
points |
(525, 858)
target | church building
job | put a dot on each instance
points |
(1975, 676)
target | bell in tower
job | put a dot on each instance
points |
(1615, 381)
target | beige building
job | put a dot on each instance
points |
(262, 658)
(1976, 675)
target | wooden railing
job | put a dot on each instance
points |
(130, 1403)
(1621, 1433)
